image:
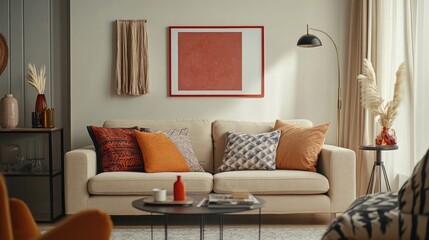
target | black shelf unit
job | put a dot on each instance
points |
(40, 187)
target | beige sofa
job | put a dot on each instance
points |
(329, 190)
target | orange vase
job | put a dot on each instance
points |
(179, 190)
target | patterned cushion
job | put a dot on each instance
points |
(373, 216)
(116, 148)
(180, 137)
(250, 151)
(414, 202)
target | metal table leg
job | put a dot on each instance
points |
(221, 226)
(202, 223)
(379, 178)
(370, 188)
(386, 179)
(378, 163)
(165, 226)
(259, 224)
(151, 228)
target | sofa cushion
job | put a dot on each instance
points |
(271, 182)
(180, 137)
(250, 151)
(220, 127)
(199, 132)
(141, 183)
(299, 146)
(160, 154)
(116, 148)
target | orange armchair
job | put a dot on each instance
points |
(17, 223)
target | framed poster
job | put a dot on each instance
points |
(216, 61)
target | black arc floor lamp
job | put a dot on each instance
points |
(309, 41)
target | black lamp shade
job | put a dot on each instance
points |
(308, 41)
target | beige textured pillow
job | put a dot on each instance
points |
(299, 146)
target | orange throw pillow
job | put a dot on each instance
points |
(299, 147)
(160, 154)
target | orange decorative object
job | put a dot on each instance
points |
(4, 52)
(387, 136)
(210, 61)
(179, 190)
(17, 222)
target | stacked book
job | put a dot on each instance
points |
(232, 200)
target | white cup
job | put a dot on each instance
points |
(159, 194)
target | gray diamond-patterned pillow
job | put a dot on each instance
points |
(250, 151)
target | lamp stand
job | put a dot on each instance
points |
(339, 85)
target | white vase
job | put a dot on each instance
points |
(9, 111)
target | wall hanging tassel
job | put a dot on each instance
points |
(131, 57)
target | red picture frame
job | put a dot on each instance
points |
(216, 61)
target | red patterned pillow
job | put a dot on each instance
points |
(117, 149)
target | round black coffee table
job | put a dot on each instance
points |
(195, 210)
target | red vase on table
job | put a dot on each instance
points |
(179, 190)
(41, 104)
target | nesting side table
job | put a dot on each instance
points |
(378, 163)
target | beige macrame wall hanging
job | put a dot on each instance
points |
(131, 57)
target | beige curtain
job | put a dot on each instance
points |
(387, 33)
(417, 32)
(406, 34)
(131, 57)
(358, 126)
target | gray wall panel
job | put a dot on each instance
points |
(4, 29)
(17, 66)
(37, 46)
(60, 64)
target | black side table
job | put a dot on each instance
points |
(378, 163)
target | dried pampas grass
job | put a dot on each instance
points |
(371, 97)
(37, 79)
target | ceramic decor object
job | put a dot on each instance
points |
(41, 104)
(9, 111)
(179, 189)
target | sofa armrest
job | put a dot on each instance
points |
(339, 166)
(79, 167)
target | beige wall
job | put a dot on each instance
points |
(300, 83)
